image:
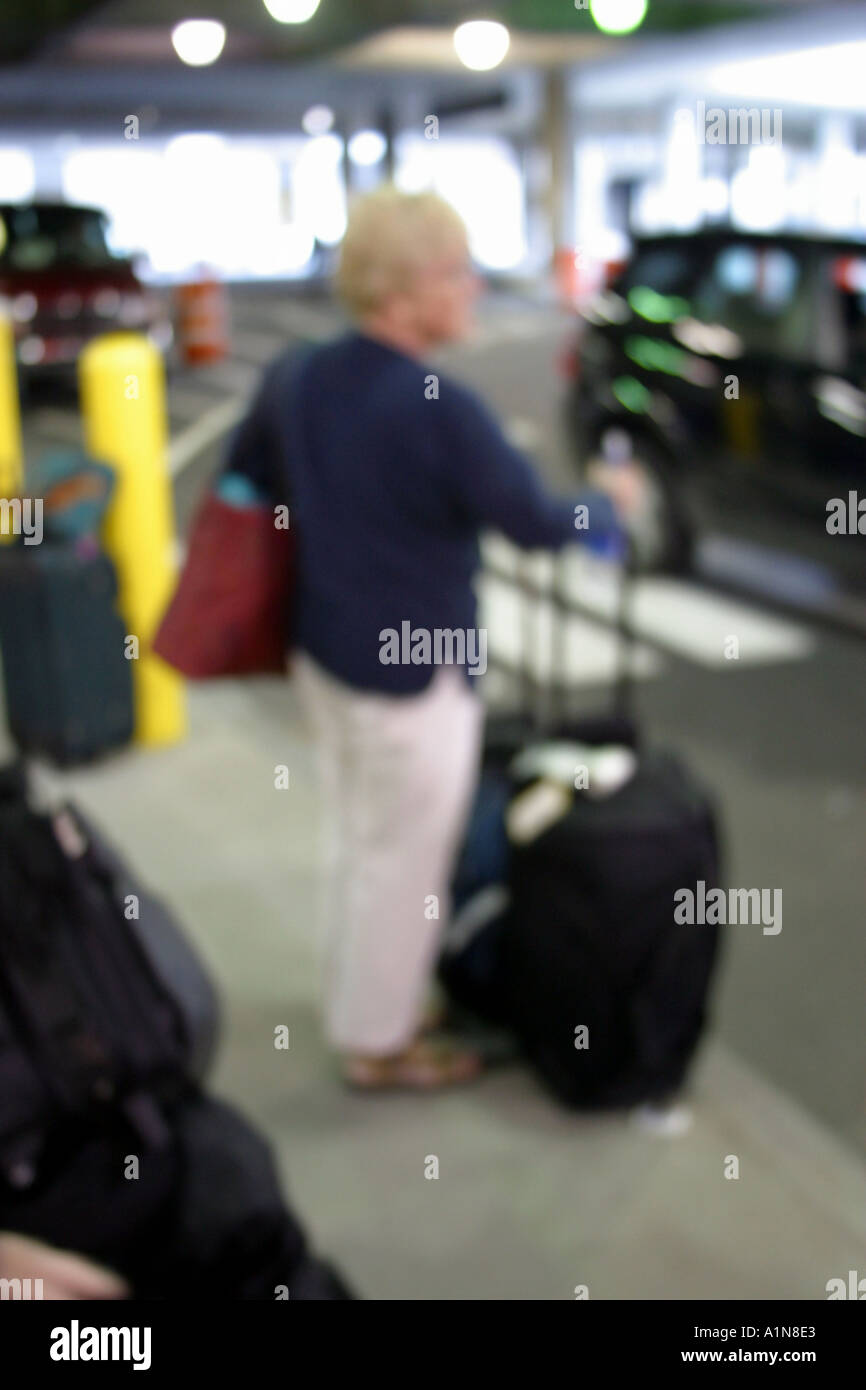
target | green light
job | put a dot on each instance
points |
(654, 355)
(632, 394)
(657, 308)
(618, 16)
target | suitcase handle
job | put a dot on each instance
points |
(563, 605)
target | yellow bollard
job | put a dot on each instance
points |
(10, 426)
(122, 385)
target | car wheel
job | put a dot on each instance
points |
(659, 530)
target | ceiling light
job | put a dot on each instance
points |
(291, 11)
(481, 44)
(198, 41)
(618, 16)
(367, 147)
(318, 120)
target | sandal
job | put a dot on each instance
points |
(422, 1066)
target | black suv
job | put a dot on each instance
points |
(732, 367)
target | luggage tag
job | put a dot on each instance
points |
(535, 810)
(608, 770)
(553, 760)
(596, 771)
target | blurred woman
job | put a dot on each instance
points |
(392, 470)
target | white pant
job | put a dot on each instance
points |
(398, 773)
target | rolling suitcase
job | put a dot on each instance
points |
(605, 991)
(470, 963)
(68, 684)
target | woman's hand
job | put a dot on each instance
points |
(64, 1275)
(623, 483)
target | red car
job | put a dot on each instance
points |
(63, 286)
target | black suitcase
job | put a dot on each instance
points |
(103, 1006)
(206, 1218)
(68, 683)
(107, 1027)
(470, 962)
(605, 991)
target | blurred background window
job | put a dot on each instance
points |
(760, 294)
(35, 238)
(667, 269)
(247, 208)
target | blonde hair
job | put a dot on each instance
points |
(389, 237)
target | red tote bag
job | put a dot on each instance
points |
(230, 615)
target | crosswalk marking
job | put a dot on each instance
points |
(577, 653)
(698, 625)
(673, 614)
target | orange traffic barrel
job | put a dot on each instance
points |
(203, 320)
(565, 269)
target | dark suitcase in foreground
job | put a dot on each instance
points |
(102, 1003)
(68, 684)
(107, 1026)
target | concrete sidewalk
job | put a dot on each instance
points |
(530, 1201)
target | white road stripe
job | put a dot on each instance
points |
(713, 630)
(579, 653)
(190, 442)
(673, 614)
(186, 403)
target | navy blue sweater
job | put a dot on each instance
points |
(388, 488)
